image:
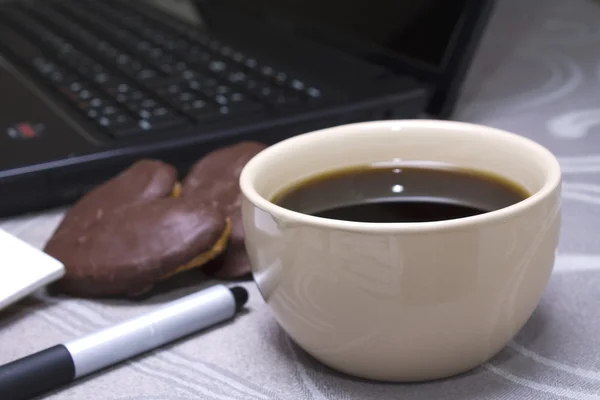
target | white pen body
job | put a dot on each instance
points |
(178, 319)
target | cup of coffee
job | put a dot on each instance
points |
(402, 250)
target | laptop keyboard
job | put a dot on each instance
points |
(131, 74)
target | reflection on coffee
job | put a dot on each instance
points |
(411, 193)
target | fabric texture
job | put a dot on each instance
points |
(538, 74)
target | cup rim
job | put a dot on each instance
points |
(552, 182)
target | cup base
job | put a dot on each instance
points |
(400, 375)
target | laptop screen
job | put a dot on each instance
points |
(420, 30)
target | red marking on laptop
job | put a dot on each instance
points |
(26, 130)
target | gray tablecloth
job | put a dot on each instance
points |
(538, 74)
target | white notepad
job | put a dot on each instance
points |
(24, 269)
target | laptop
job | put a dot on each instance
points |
(88, 87)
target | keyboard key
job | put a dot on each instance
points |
(228, 98)
(251, 63)
(117, 121)
(104, 121)
(108, 111)
(234, 102)
(186, 96)
(145, 114)
(264, 92)
(237, 77)
(313, 93)
(217, 66)
(297, 85)
(85, 95)
(267, 71)
(123, 59)
(165, 66)
(226, 51)
(57, 77)
(222, 100)
(101, 77)
(276, 96)
(144, 74)
(135, 66)
(222, 89)
(189, 75)
(198, 105)
(237, 97)
(95, 102)
(160, 111)
(123, 88)
(238, 57)
(280, 78)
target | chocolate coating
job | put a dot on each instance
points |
(128, 233)
(215, 179)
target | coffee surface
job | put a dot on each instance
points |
(400, 194)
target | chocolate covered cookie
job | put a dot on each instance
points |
(134, 230)
(215, 179)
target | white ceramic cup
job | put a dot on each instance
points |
(402, 301)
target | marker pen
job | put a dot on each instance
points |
(59, 365)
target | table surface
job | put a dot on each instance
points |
(538, 74)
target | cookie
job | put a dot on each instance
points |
(215, 179)
(135, 230)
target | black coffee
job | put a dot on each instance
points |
(401, 194)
